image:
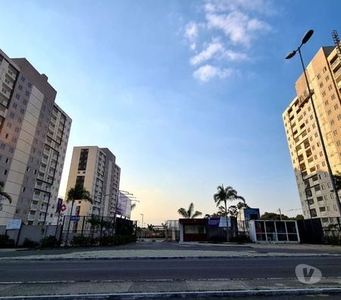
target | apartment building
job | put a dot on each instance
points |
(96, 170)
(313, 177)
(34, 133)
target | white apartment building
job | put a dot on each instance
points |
(317, 196)
(34, 133)
(96, 170)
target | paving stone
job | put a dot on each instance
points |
(158, 286)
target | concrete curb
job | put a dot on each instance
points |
(184, 295)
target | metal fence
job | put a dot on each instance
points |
(93, 230)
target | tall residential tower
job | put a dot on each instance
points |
(317, 196)
(96, 170)
(34, 134)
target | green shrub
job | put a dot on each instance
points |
(124, 239)
(81, 241)
(30, 244)
(107, 240)
(5, 241)
(49, 242)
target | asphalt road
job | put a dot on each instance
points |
(144, 269)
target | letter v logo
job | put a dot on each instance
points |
(308, 274)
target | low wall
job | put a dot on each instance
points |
(33, 233)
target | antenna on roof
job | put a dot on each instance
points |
(336, 40)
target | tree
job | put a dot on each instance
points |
(76, 193)
(273, 216)
(150, 227)
(3, 194)
(222, 196)
(226, 194)
(299, 217)
(190, 214)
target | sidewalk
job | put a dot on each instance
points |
(170, 289)
(183, 251)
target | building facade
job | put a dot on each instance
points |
(313, 177)
(34, 133)
(96, 170)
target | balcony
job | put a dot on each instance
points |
(337, 74)
(36, 197)
(34, 207)
(335, 64)
(31, 217)
(4, 93)
(11, 74)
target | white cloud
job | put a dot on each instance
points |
(260, 6)
(236, 26)
(208, 72)
(235, 56)
(191, 34)
(211, 50)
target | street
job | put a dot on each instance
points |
(176, 269)
(148, 267)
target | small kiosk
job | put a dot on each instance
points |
(277, 231)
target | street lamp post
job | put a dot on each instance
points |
(142, 220)
(305, 39)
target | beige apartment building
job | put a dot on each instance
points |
(34, 133)
(96, 170)
(317, 196)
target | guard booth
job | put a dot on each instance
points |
(192, 230)
(284, 231)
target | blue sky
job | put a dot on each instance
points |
(187, 94)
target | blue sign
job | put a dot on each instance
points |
(213, 222)
(74, 218)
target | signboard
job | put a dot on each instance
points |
(13, 224)
(213, 222)
(74, 218)
(59, 205)
(225, 222)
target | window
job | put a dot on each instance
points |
(336, 106)
(20, 87)
(22, 79)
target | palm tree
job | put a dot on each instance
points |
(76, 193)
(190, 214)
(3, 194)
(224, 195)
